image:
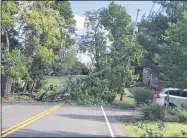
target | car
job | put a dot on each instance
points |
(176, 97)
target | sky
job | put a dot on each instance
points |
(80, 7)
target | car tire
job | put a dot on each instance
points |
(172, 105)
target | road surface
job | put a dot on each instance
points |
(55, 120)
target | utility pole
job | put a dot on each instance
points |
(134, 26)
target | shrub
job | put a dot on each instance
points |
(91, 91)
(143, 96)
(183, 116)
(171, 118)
(152, 112)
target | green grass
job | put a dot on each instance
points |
(55, 80)
(171, 130)
(126, 102)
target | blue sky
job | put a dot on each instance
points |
(80, 7)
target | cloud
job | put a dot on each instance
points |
(80, 23)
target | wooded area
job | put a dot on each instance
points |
(39, 36)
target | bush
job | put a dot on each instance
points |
(143, 96)
(91, 91)
(183, 116)
(171, 118)
(152, 112)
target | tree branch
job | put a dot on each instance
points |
(63, 89)
(106, 69)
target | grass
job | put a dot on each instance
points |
(55, 80)
(126, 102)
(17, 98)
(171, 130)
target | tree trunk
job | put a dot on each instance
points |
(122, 93)
(7, 40)
(33, 85)
(6, 87)
(29, 86)
(121, 96)
(51, 96)
(25, 86)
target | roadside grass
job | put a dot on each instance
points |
(55, 80)
(126, 102)
(172, 129)
(16, 98)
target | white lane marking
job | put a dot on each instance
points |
(108, 124)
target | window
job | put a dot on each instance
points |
(177, 93)
(184, 94)
(174, 92)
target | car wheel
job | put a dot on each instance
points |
(172, 105)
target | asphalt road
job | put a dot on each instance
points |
(63, 121)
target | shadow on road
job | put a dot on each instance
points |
(34, 133)
(111, 118)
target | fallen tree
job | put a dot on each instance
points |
(54, 96)
(48, 95)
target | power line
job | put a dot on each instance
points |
(150, 13)
(134, 26)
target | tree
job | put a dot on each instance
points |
(94, 41)
(116, 20)
(66, 51)
(28, 32)
(13, 66)
(151, 30)
(173, 57)
(96, 86)
(79, 69)
(11, 61)
(173, 9)
(44, 38)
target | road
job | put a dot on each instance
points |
(54, 120)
